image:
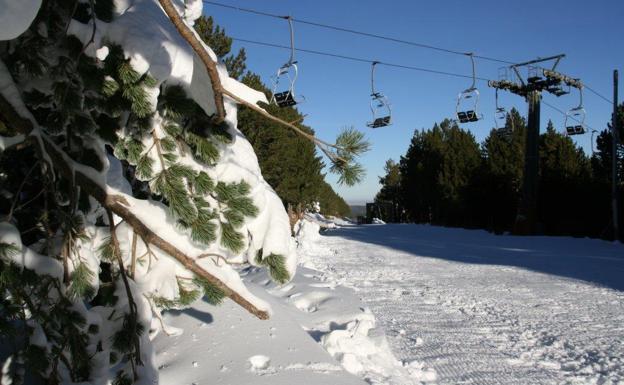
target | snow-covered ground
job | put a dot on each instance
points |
(487, 309)
(456, 307)
(320, 333)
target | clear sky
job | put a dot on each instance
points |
(337, 91)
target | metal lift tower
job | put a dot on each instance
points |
(538, 81)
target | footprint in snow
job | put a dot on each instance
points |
(310, 302)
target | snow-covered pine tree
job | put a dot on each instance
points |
(126, 187)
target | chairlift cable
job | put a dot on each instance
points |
(395, 65)
(377, 36)
(361, 60)
(355, 32)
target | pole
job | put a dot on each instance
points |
(614, 159)
(526, 218)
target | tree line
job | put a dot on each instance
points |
(446, 178)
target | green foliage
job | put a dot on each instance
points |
(351, 143)
(277, 266)
(81, 279)
(230, 238)
(171, 185)
(436, 171)
(188, 293)
(203, 149)
(8, 250)
(214, 36)
(124, 338)
(212, 294)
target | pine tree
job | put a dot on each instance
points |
(564, 175)
(495, 190)
(390, 192)
(109, 171)
(436, 171)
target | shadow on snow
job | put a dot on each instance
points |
(590, 260)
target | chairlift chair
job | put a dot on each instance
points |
(379, 105)
(468, 112)
(500, 114)
(288, 72)
(575, 118)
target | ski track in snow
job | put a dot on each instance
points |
(486, 309)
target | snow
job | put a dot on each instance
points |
(479, 308)
(153, 45)
(16, 17)
(27, 257)
(319, 333)
(223, 345)
(259, 362)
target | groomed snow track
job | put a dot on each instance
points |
(486, 309)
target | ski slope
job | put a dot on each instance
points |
(485, 309)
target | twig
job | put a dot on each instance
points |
(19, 190)
(157, 315)
(133, 263)
(131, 304)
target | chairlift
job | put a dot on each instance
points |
(500, 115)
(288, 72)
(379, 105)
(575, 118)
(468, 100)
(559, 89)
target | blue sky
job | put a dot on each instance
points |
(337, 91)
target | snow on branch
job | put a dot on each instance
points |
(118, 205)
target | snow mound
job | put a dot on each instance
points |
(259, 362)
(321, 220)
(307, 238)
(341, 221)
(16, 17)
(377, 221)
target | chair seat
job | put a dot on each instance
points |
(285, 99)
(575, 130)
(379, 122)
(467, 116)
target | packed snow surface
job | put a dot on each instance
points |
(486, 309)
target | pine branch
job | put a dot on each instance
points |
(188, 35)
(116, 203)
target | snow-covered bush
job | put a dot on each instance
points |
(126, 186)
